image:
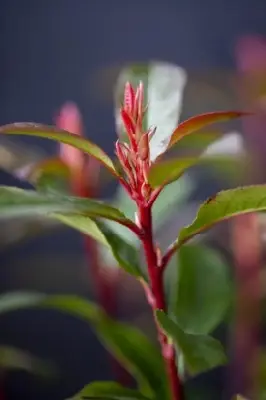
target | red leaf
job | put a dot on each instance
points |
(198, 122)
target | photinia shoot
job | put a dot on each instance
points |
(186, 346)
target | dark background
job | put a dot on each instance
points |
(51, 52)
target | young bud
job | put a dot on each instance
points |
(145, 191)
(128, 123)
(121, 153)
(143, 147)
(129, 98)
(139, 100)
(159, 254)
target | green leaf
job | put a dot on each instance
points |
(198, 122)
(131, 347)
(108, 391)
(125, 254)
(84, 225)
(62, 136)
(203, 289)
(122, 251)
(164, 172)
(18, 202)
(198, 140)
(13, 301)
(15, 359)
(200, 352)
(164, 85)
(51, 176)
(224, 205)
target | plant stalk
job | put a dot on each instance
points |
(157, 301)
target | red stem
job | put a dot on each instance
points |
(157, 300)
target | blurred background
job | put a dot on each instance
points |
(57, 51)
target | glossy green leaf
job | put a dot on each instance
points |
(15, 359)
(18, 202)
(51, 176)
(131, 347)
(199, 140)
(108, 391)
(62, 136)
(84, 225)
(203, 289)
(126, 255)
(164, 172)
(200, 352)
(224, 205)
(198, 122)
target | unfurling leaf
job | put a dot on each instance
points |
(198, 122)
(224, 205)
(202, 291)
(61, 136)
(108, 391)
(200, 352)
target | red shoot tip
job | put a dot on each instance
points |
(135, 159)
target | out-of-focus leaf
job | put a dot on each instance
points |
(108, 391)
(13, 301)
(12, 358)
(164, 85)
(132, 348)
(51, 176)
(200, 352)
(62, 136)
(198, 122)
(202, 290)
(261, 375)
(224, 205)
(18, 202)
